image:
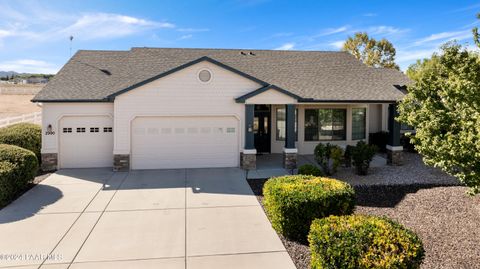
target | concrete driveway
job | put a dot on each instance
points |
(95, 218)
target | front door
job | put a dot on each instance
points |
(261, 128)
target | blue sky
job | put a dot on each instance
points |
(34, 35)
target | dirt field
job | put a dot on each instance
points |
(15, 105)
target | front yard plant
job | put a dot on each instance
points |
(25, 135)
(362, 155)
(358, 241)
(7, 182)
(329, 157)
(25, 162)
(293, 202)
(309, 170)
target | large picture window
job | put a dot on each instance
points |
(325, 124)
(359, 123)
(282, 123)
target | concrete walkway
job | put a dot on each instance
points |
(94, 218)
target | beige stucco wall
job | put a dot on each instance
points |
(52, 113)
(182, 94)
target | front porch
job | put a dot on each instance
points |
(270, 165)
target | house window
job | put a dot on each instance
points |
(107, 129)
(80, 130)
(94, 130)
(282, 123)
(359, 123)
(67, 130)
(325, 124)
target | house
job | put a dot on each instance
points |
(154, 108)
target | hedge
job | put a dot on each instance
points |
(309, 170)
(357, 242)
(293, 202)
(25, 161)
(7, 182)
(25, 135)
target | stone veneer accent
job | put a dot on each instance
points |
(394, 157)
(121, 162)
(248, 161)
(289, 160)
(49, 162)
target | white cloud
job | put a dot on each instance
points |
(193, 30)
(29, 66)
(286, 46)
(107, 25)
(337, 44)
(445, 36)
(385, 30)
(183, 37)
(370, 14)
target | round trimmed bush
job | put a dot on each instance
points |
(309, 170)
(358, 241)
(25, 161)
(293, 202)
(25, 135)
(7, 182)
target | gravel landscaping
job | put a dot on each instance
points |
(423, 199)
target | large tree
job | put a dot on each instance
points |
(370, 51)
(443, 104)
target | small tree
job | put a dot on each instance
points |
(362, 155)
(444, 107)
(370, 51)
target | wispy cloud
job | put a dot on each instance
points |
(183, 37)
(337, 44)
(370, 15)
(286, 46)
(445, 36)
(29, 66)
(385, 30)
(193, 30)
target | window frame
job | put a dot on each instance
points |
(332, 109)
(276, 124)
(364, 125)
(81, 130)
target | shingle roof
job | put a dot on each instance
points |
(312, 75)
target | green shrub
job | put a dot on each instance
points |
(348, 156)
(353, 242)
(329, 157)
(25, 161)
(379, 139)
(309, 170)
(362, 155)
(293, 202)
(7, 182)
(25, 135)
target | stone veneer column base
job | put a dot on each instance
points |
(248, 159)
(49, 162)
(394, 155)
(121, 162)
(290, 158)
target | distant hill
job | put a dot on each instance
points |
(4, 74)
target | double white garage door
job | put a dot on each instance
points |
(156, 142)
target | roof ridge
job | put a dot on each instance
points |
(234, 49)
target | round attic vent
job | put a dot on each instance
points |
(205, 75)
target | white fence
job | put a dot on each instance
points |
(35, 117)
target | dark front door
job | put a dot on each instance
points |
(261, 128)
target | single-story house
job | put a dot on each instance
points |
(155, 108)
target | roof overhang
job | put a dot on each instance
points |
(269, 94)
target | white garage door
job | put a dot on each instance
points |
(86, 142)
(184, 142)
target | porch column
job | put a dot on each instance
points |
(248, 157)
(394, 148)
(290, 152)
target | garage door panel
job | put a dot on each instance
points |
(86, 149)
(182, 142)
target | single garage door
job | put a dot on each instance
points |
(184, 142)
(86, 142)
